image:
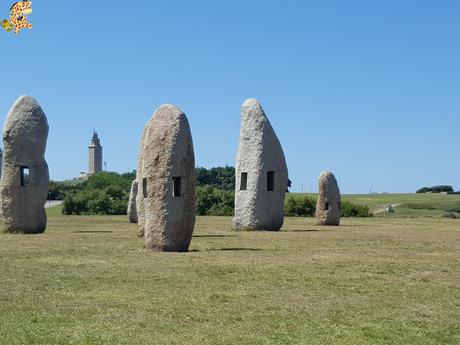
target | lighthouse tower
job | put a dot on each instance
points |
(94, 155)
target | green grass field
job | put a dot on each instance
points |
(87, 280)
(411, 205)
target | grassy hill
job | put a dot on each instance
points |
(410, 205)
(87, 281)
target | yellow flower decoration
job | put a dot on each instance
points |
(6, 24)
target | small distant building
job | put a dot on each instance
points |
(94, 155)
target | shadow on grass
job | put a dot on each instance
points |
(211, 236)
(351, 225)
(235, 249)
(310, 230)
(92, 232)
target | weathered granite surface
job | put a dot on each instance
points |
(166, 156)
(132, 209)
(139, 170)
(259, 155)
(23, 197)
(328, 206)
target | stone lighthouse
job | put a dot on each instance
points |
(94, 155)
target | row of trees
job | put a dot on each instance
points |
(102, 193)
(222, 178)
(107, 193)
(306, 207)
(436, 189)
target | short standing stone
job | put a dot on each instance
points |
(328, 206)
(132, 209)
(261, 173)
(25, 176)
(166, 181)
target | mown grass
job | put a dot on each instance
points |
(88, 280)
(410, 205)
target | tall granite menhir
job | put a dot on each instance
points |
(261, 173)
(328, 205)
(139, 169)
(25, 176)
(166, 181)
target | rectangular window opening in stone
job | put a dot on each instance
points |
(326, 206)
(270, 181)
(340, 206)
(24, 176)
(144, 187)
(244, 181)
(177, 187)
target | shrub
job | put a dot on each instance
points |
(211, 201)
(221, 210)
(75, 204)
(300, 207)
(450, 215)
(423, 190)
(436, 189)
(420, 206)
(453, 208)
(106, 179)
(55, 191)
(306, 207)
(351, 210)
(107, 193)
(58, 190)
(103, 193)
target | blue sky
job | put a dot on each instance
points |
(367, 89)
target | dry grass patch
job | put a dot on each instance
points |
(87, 280)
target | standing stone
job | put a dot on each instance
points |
(261, 173)
(1, 162)
(139, 171)
(25, 176)
(166, 181)
(328, 206)
(132, 209)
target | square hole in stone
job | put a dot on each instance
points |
(25, 175)
(177, 188)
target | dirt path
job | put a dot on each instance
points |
(386, 208)
(52, 203)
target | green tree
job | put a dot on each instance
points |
(219, 177)
(103, 193)
(105, 179)
(214, 202)
(300, 207)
